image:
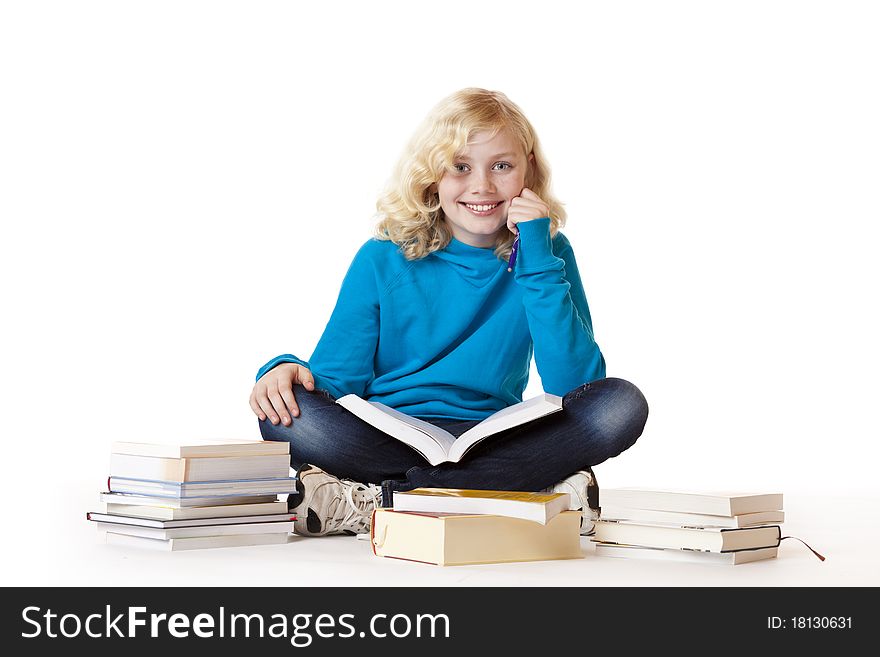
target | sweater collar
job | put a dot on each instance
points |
(477, 265)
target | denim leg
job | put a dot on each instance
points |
(598, 420)
(327, 435)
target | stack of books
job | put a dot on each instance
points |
(183, 497)
(728, 528)
(451, 527)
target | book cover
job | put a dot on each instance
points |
(440, 446)
(711, 539)
(454, 540)
(538, 507)
(709, 503)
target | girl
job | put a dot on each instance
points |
(430, 322)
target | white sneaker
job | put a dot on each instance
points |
(584, 492)
(325, 505)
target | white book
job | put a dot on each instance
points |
(538, 507)
(184, 502)
(687, 556)
(199, 469)
(249, 529)
(202, 448)
(192, 522)
(436, 444)
(710, 539)
(198, 543)
(651, 516)
(709, 503)
(126, 505)
(201, 489)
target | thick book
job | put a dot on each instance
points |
(202, 449)
(687, 556)
(126, 505)
(191, 522)
(195, 543)
(203, 468)
(436, 444)
(250, 529)
(201, 489)
(709, 503)
(710, 539)
(651, 516)
(538, 507)
(455, 540)
(184, 502)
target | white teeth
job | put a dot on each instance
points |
(481, 208)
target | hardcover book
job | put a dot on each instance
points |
(678, 519)
(538, 507)
(203, 489)
(454, 540)
(203, 468)
(709, 503)
(190, 522)
(243, 529)
(195, 543)
(179, 503)
(196, 449)
(440, 446)
(687, 556)
(710, 539)
(132, 506)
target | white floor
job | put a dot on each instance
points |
(62, 548)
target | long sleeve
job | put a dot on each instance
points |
(342, 362)
(556, 308)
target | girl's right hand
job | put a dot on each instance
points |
(272, 395)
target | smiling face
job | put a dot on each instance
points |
(475, 194)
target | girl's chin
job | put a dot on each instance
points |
(488, 225)
(482, 228)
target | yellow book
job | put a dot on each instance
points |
(454, 540)
(540, 507)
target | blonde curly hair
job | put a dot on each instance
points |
(409, 211)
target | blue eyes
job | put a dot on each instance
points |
(459, 168)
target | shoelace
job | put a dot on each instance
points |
(354, 514)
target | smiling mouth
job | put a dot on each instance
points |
(482, 209)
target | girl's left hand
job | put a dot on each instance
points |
(525, 207)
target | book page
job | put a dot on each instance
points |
(430, 441)
(506, 418)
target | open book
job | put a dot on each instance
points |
(435, 444)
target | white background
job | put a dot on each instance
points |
(183, 186)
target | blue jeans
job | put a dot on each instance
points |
(598, 420)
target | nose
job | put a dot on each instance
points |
(482, 184)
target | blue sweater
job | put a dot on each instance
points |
(451, 336)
